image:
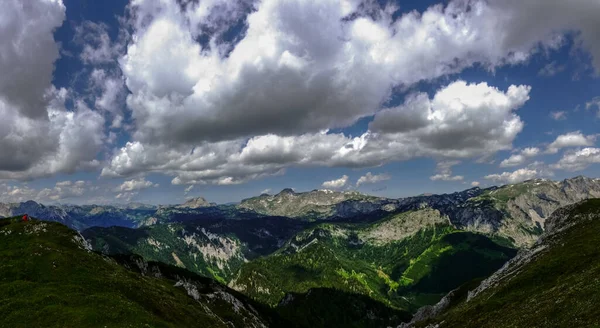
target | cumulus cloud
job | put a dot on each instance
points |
(135, 185)
(578, 160)
(64, 142)
(62, 190)
(521, 157)
(28, 53)
(444, 170)
(572, 139)
(41, 134)
(284, 77)
(131, 188)
(98, 48)
(337, 183)
(111, 89)
(227, 112)
(372, 178)
(106, 90)
(513, 177)
(475, 184)
(15, 194)
(463, 121)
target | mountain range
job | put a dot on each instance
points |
(286, 254)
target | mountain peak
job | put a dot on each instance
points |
(197, 202)
(287, 191)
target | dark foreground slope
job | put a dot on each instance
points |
(50, 278)
(554, 284)
(324, 307)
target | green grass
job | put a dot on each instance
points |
(395, 274)
(453, 260)
(46, 280)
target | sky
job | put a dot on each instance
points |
(158, 101)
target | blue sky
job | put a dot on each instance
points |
(154, 101)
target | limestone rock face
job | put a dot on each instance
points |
(196, 203)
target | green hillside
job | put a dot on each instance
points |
(558, 286)
(404, 272)
(48, 278)
(210, 255)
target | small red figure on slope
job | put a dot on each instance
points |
(25, 218)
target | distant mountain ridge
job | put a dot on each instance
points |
(516, 211)
(311, 205)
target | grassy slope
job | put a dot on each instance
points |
(46, 280)
(124, 241)
(561, 288)
(250, 237)
(405, 274)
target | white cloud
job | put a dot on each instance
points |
(445, 177)
(28, 53)
(460, 120)
(558, 115)
(204, 117)
(135, 185)
(444, 170)
(15, 194)
(336, 184)
(475, 184)
(285, 77)
(64, 142)
(98, 47)
(62, 190)
(111, 90)
(521, 157)
(465, 121)
(42, 136)
(513, 177)
(572, 139)
(266, 191)
(131, 188)
(126, 196)
(578, 160)
(372, 178)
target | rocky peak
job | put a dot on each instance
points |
(286, 191)
(197, 202)
(318, 203)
